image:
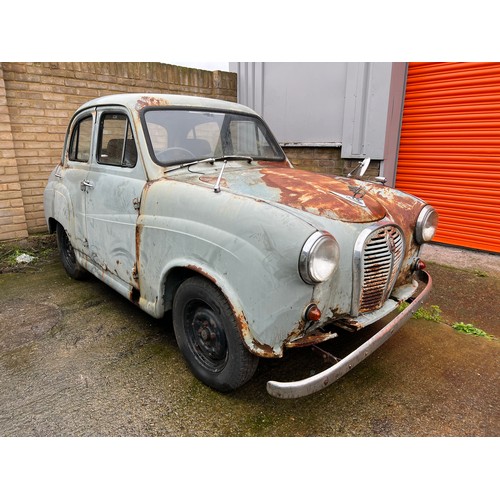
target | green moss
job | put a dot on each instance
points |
(259, 423)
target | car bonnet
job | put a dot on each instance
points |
(331, 197)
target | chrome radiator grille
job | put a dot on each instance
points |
(381, 257)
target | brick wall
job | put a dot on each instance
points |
(12, 216)
(36, 103)
(326, 160)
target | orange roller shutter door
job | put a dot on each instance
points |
(449, 151)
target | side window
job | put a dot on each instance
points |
(79, 147)
(116, 142)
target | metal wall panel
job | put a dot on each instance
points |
(449, 152)
(304, 102)
(365, 110)
(320, 103)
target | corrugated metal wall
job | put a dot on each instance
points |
(320, 104)
(450, 149)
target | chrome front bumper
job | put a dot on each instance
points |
(310, 385)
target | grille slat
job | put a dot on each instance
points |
(380, 264)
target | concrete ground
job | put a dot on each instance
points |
(77, 359)
(462, 258)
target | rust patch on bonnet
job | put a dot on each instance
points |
(401, 207)
(322, 195)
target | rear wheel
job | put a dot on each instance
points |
(208, 336)
(67, 254)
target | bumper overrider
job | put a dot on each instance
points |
(310, 385)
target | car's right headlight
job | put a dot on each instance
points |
(426, 225)
(319, 257)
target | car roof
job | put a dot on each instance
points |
(138, 101)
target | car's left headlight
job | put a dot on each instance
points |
(426, 225)
(319, 257)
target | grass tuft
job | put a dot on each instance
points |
(469, 329)
(431, 314)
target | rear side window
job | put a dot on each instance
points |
(116, 142)
(79, 148)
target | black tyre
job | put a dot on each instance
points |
(208, 336)
(67, 255)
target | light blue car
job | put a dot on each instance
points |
(189, 204)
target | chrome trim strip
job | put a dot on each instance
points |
(310, 385)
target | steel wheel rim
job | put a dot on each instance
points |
(206, 335)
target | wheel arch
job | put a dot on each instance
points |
(177, 274)
(61, 211)
(52, 225)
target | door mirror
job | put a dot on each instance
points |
(361, 167)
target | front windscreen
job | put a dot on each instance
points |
(180, 135)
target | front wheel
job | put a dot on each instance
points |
(67, 254)
(208, 336)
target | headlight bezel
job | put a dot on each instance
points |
(422, 224)
(309, 252)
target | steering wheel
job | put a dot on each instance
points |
(174, 153)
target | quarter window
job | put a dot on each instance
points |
(79, 149)
(116, 142)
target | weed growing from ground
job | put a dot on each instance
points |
(469, 329)
(431, 314)
(480, 273)
(434, 314)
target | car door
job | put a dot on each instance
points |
(113, 192)
(70, 199)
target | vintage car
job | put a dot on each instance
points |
(189, 205)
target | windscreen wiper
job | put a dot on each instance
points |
(226, 158)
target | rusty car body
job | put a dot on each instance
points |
(189, 204)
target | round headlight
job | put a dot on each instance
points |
(319, 258)
(426, 225)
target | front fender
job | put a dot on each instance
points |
(248, 248)
(232, 296)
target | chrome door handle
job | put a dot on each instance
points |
(84, 185)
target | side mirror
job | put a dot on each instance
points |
(362, 166)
